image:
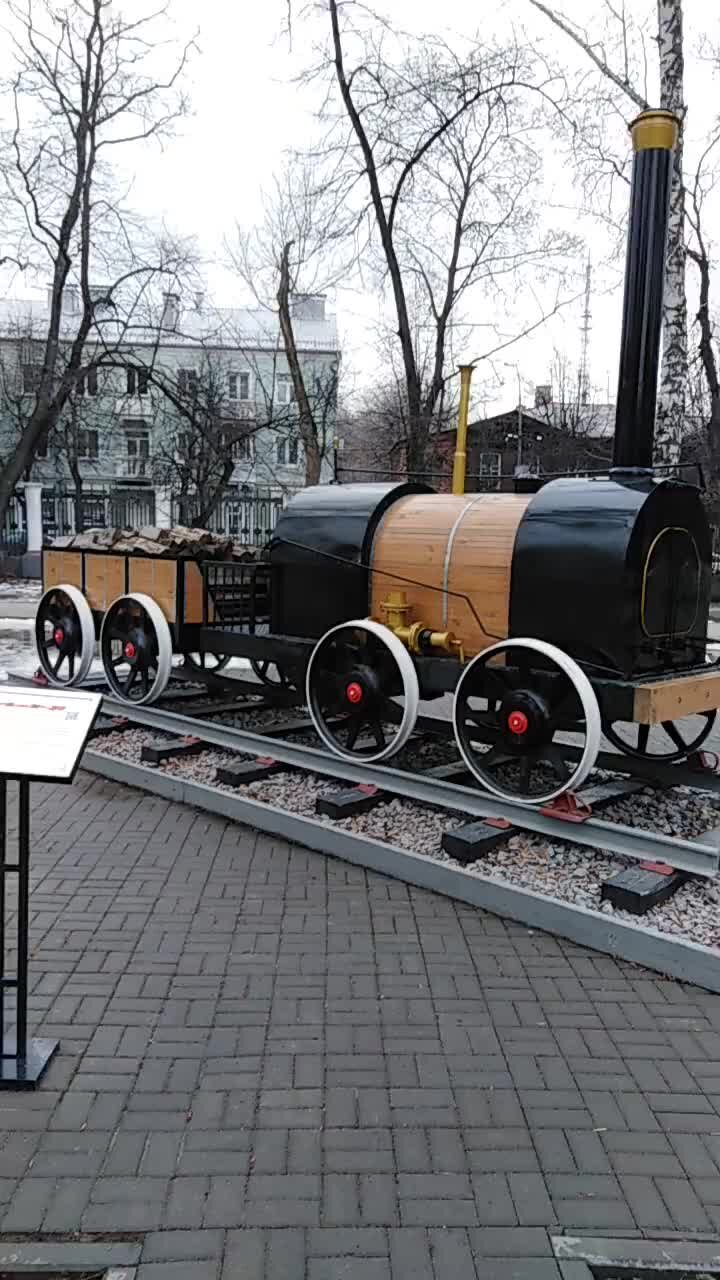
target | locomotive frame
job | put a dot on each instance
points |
(548, 615)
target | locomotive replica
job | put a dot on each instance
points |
(553, 617)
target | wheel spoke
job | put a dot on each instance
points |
(130, 680)
(56, 665)
(552, 754)
(378, 734)
(643, 737)
(71, 665)
(355, 726)
(524, 771)
(674, 734)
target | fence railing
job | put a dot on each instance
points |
(13, 535)
(247, 518)
(99, 509)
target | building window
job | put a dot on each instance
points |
(239, 447)
(288, 452)
(137, 445)
(87, 445)
(87, 385)
(137, 380)
(284, 389)
(187, 380)
(239, 386)
(32, 374)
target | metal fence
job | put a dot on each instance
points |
(247, 518)
(13, 535)
(99, 509)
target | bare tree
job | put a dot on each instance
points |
(619, 52)
(197, 438)
(85, 83)
(300, 249)
(580, 429)
(440, 145)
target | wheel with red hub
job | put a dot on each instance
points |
(136, 649)
(356, 676)
(526, 721)
(64, 635)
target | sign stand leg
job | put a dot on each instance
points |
(22, 1061)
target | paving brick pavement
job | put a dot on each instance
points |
(275, 1066)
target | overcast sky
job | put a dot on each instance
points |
(246, 110)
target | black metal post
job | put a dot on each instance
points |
(21, 1066)
(3, 848)
(654, 135)
(23, 916)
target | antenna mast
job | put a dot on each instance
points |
(584, 379)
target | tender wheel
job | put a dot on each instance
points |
(507, 718)
(668, 742)
(65, 635)
(270, 673)
(352, 676)
(210, 662)
(136, 649)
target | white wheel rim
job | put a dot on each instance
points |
(87, 635)
(588, 701)
(411, 691)
(165, 650)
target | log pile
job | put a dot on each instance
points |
(178, 543)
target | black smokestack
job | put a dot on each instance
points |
(654, 135)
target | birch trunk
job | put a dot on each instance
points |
(670, 417)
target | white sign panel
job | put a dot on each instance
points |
(43, 732)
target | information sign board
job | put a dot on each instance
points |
(43, 732)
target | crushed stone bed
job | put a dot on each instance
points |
(558, 869)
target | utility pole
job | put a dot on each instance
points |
(520, 421)
(584, 378)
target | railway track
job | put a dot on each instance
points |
(386, 809)
(436, 789)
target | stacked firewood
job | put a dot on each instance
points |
(177, 543)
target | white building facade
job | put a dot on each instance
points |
(123, 434)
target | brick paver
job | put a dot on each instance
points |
(276, 1066)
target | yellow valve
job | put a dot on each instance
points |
(416, 636)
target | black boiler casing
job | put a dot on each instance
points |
(320, 551)
(616, 572)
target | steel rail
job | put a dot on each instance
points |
(695, 856)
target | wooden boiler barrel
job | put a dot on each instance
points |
(459, 550)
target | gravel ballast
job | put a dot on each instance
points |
(558, 869)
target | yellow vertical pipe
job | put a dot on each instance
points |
(460, 459)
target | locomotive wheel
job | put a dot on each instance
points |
(64, 635)
(506, 727)
(210, 662)
(354, 672)
(270, 673)
(686, 736)
(136, 649)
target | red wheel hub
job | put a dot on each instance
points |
(517, 722)
(58, 635)
(354, 693)
(129, 650)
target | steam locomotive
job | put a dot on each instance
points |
(552, 618)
